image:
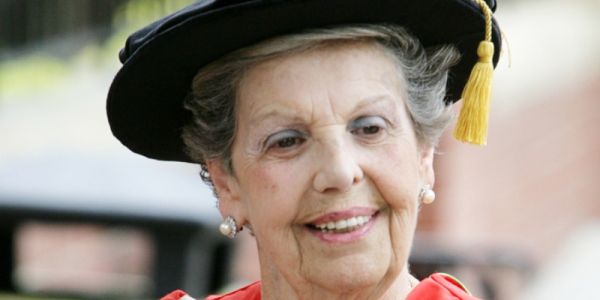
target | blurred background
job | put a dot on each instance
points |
(82, 218)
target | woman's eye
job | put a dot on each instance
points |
(288, 142)
(370, 129)
(285, 140)
(368, 126)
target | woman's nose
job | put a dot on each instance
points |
(338, 169)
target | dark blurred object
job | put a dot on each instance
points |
(25, 22)
(166, 201)
(486, 272)
(7, 257)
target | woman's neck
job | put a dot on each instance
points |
(391, 287)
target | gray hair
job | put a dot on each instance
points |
(210, 135)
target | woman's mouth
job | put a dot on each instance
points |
(343, 226)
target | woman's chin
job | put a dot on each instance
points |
(350, 275)
(349, 260)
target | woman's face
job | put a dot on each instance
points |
(327, 169)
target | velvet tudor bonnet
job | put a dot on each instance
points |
(144, 102)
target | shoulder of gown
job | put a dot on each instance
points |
(249, 292)
(440, 286)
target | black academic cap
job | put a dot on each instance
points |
(144, 102)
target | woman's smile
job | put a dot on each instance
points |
(343, 226)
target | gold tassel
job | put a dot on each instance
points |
(472, 125)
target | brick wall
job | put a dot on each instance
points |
(538, 178)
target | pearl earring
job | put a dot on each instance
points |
(427, 195)
(229, 227)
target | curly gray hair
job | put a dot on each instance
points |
(212, 101)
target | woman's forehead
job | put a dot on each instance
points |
(347, 73)
(336, 53)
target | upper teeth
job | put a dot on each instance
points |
(345, 223)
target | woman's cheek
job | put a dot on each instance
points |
(394, 171)
(271, 188)
(262, 178)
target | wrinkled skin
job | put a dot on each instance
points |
(321, 132)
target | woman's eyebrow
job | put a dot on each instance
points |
(382, 100)
(284, 113)
(272, 113)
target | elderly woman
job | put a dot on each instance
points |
(315, 121)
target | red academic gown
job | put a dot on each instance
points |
(436, 287)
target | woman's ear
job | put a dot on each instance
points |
(227, 190)
(426, 155)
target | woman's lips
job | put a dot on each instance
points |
(343, 226)
(344, 214)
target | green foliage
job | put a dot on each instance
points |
(40, 71)
(138, 13)
(35, 71)
(20, 297)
